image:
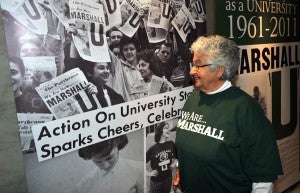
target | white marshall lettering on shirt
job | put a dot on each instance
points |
(192, 117)
(201, 129)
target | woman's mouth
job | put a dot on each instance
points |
(195, 78)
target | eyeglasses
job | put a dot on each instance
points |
(198, 66)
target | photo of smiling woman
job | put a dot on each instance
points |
(135, 86)
(155, 83)
(98, 73)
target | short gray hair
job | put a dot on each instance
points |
(220, 51)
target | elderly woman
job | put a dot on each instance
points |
(224, 141)
(112, 171)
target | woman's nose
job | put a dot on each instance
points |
(192, 71)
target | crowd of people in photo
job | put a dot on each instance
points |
(135, 68)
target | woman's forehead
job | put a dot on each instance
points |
(101, 64)
(199, 57)
(106, 152)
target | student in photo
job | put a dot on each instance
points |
(155, 84)
(98, 73)
(180, 76)
(114, 35)
(32, 45)
(112, 173)
(26, 97)
(17, 70)
(162, 159)
(164, 61)
(115, 48)
(127, 73)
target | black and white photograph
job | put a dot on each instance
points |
(102, 167)
(73, 57)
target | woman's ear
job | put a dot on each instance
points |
(221, 71)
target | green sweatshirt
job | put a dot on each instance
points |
(225, 143)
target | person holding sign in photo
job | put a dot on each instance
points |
(224, 141)
(127, 73)
(98, 73)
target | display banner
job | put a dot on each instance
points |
(269, 39)
(95, 82)
(258, 21)
(65, 135)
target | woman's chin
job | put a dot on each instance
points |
(197, 85)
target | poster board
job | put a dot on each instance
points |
(267, 33)
(51, 89)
